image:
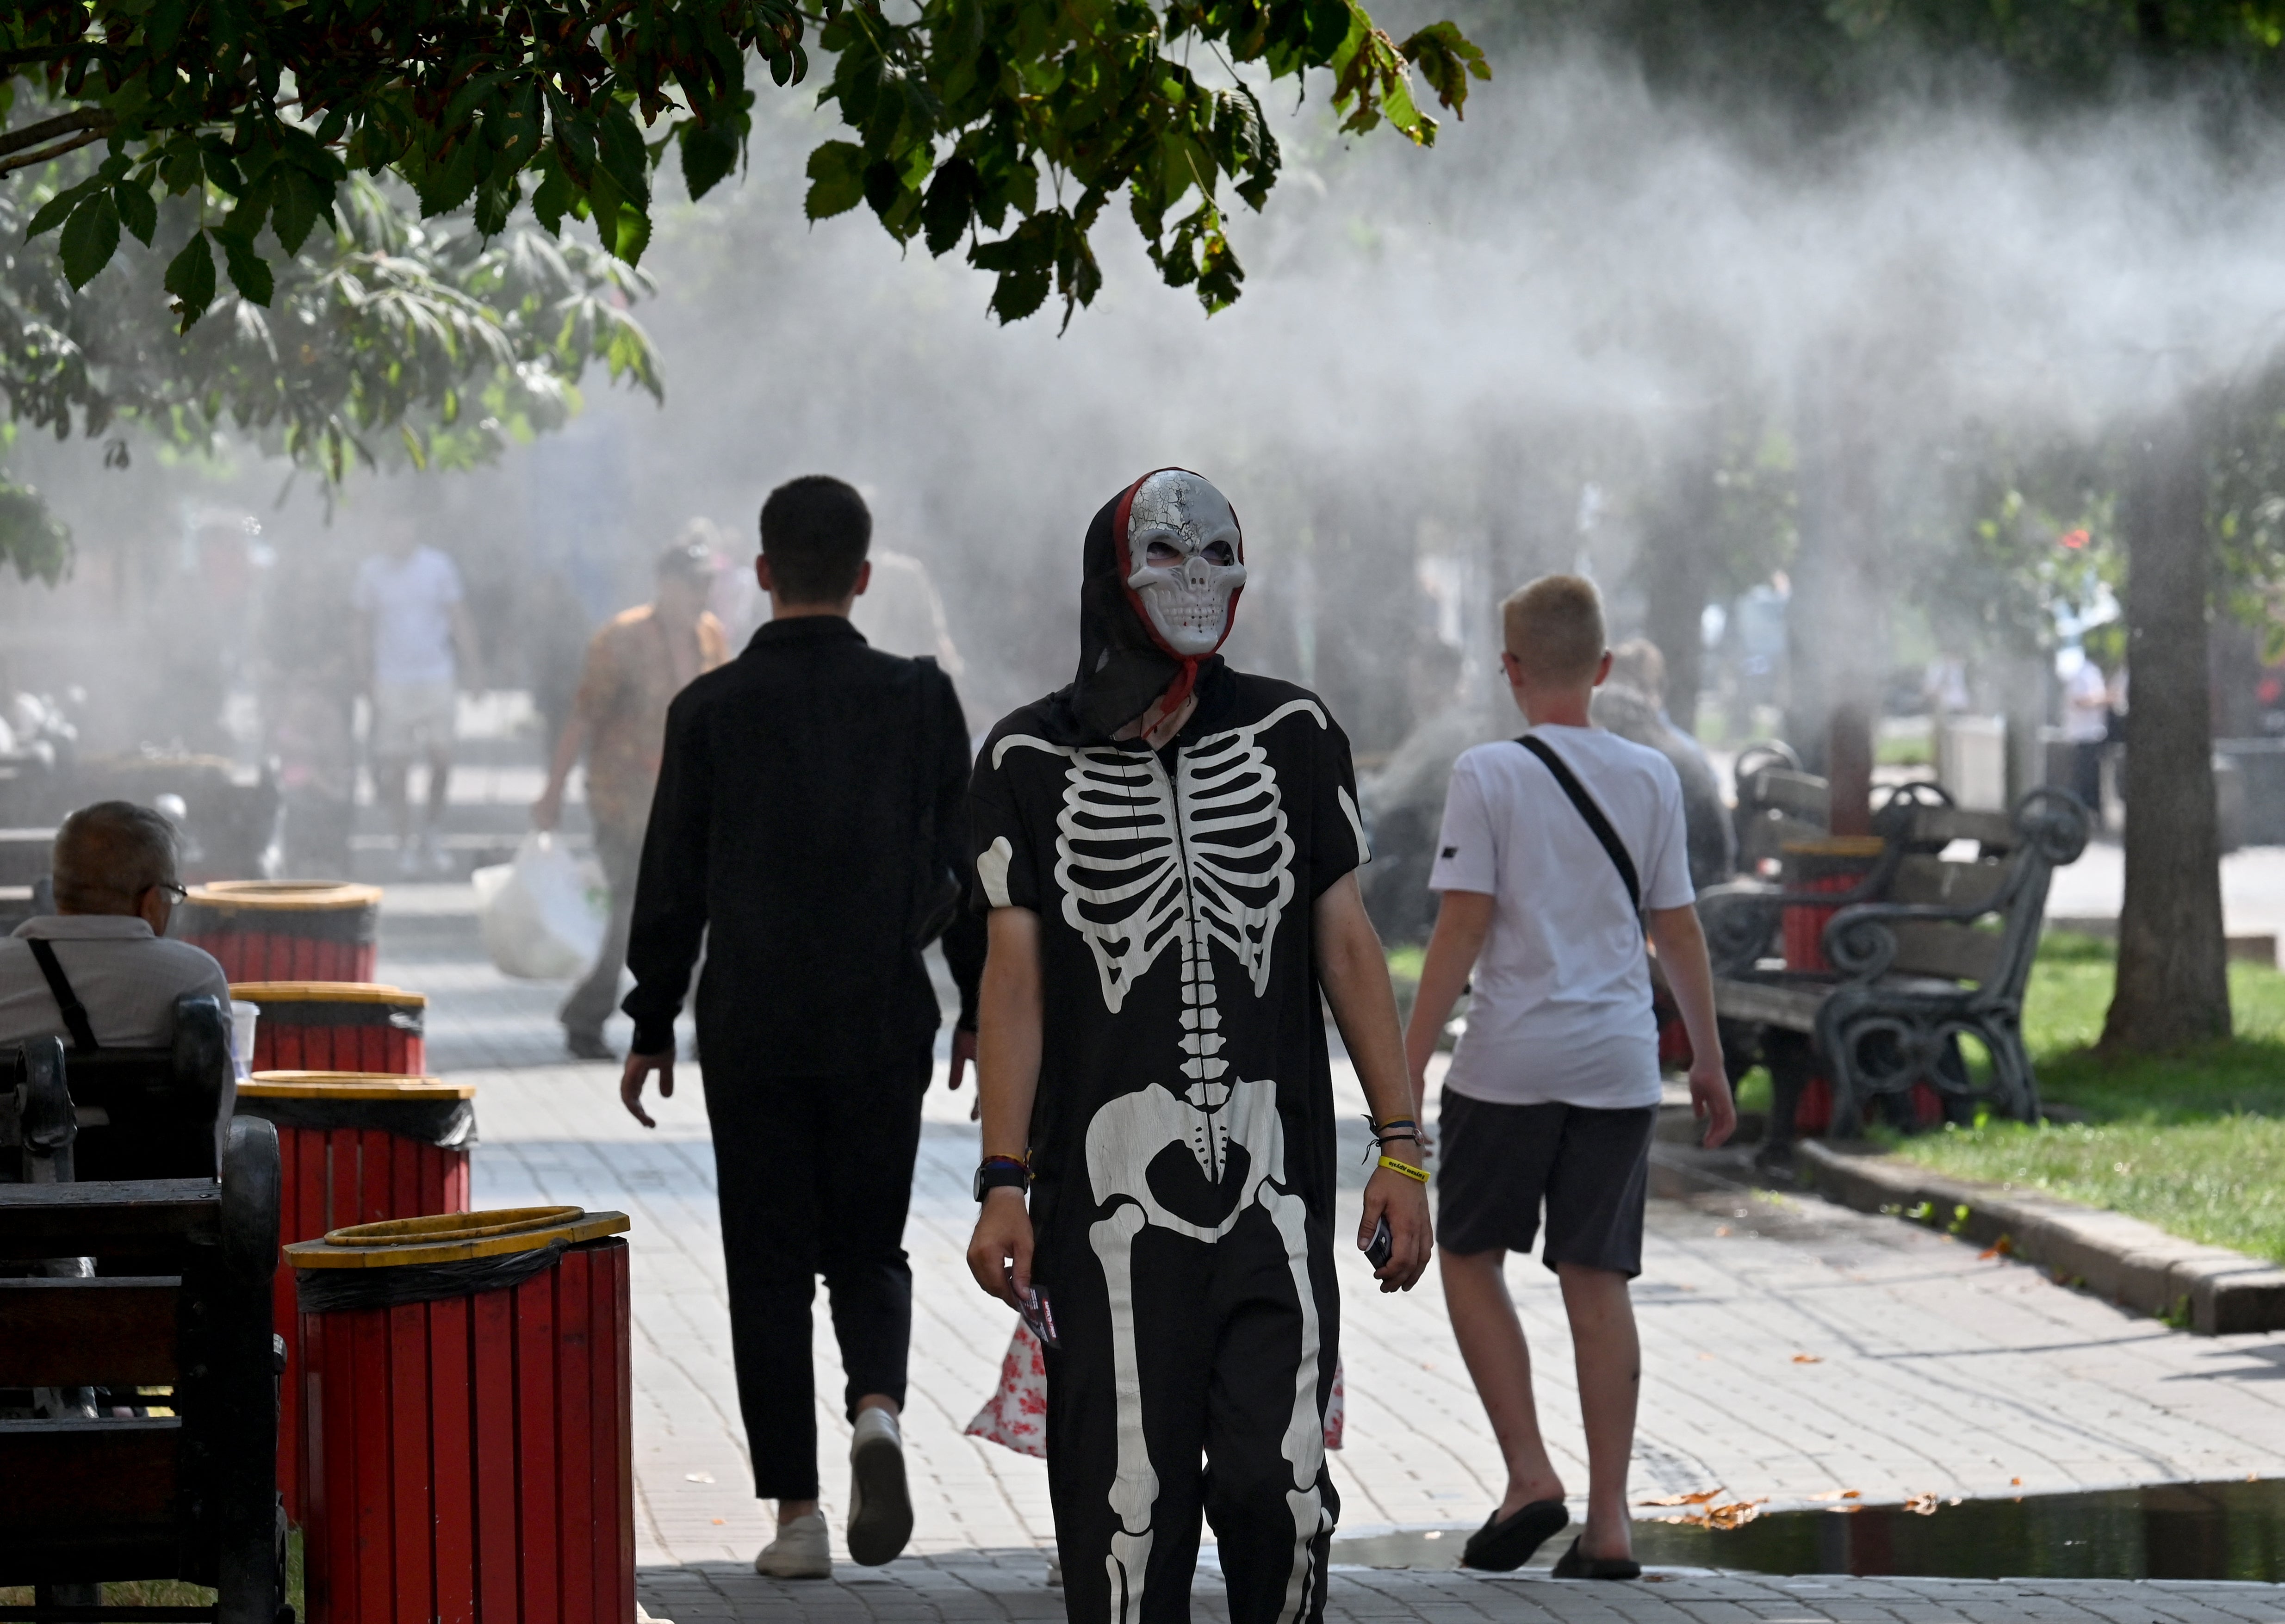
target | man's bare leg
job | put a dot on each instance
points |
(788, 1510)
(1499, 1362)
(389, 783)
(1609, 1357)
(440, 783)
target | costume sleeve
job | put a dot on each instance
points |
(1668, 885)
(1007, 864)
(1339, 844)
(964, 938)
(1467, 857)
(669, 912)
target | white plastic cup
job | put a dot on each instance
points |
(242, 1016)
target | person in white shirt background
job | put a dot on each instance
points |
(1554, 1091)
(412, 624)
(114, 872)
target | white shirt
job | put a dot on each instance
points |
(1561, 1005)
(127, 979)
(2086, 705)
(411, 601)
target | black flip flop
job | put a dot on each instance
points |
(1501, 1546)
(1575, 1564)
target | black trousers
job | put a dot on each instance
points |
(1225, 1372)
(814, 1175)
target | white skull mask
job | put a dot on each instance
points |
(1185, 554)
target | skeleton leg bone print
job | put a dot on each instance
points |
(1123, 1138)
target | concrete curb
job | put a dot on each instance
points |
(2215, 1292)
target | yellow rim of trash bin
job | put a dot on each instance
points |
(1836, 845)
(453, 1237)
(325, 992)
(351, 1085)
(283, 895)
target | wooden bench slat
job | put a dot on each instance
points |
(111, 1332)
(92, 1219)
(1931, 882)
(1956, 952)
(1793, 1008)
(76, 1474)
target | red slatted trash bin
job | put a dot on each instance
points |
(337, 1026)
(1834, 863)
(353, 1148)
(285, 930)
(471, 1449)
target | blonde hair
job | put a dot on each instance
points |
(1554, 628)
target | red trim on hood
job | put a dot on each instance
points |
(1187, 678)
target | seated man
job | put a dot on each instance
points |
(98, 972)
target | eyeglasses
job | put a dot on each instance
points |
(175, 894)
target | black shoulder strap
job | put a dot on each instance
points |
(75, 1012)
(1570, 785)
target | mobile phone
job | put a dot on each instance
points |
(1032, 1304)
(1377, 1249)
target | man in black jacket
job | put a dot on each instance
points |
(808, 824)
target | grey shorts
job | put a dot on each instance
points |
(1497, 1164)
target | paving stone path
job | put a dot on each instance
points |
(1792, 1350)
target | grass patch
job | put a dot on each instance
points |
(2193, 1143)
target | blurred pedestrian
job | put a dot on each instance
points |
(412, 624)
(809, 825)
(634, 667)
(1632, 704)
(1559, 850)
(2086, 725)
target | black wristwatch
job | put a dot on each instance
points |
(1001, 1172)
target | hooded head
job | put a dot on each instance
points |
(1165, 562)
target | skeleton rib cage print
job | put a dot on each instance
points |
(1143, 860)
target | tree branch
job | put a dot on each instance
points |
(94, 118)
(9, 166)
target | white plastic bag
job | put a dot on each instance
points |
(1015, 1414)
(541, 918)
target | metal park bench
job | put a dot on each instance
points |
(110, 1289)
(1922, 950)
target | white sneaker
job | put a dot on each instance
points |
(802, 1550)
(1054, 1573)
(879, 1508)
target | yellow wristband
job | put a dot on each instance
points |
(1418, 1175)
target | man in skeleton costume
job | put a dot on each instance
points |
(1167, 849)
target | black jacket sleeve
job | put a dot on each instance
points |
(669, 912)
(963, 938)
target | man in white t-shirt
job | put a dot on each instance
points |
(410, 624)
(1559, 852)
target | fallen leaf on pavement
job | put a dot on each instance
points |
(1922, 1505)
(1807, 1359)
(1697, 1499)
(1840, 1493)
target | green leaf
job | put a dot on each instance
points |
(299, 196)
(450, 183)
(634, 234)
(190, 279)
(250, 272)
(619, 148)
(90, 237)
(551, 200)
(58, 210)
(950, 204)
(708, 153)
(495, 202)
(836, 175)
(137, 210)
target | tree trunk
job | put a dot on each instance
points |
(1837, 618)
(1676, 573)
(2173, 982)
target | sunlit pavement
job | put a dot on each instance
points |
(1792, 1350)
